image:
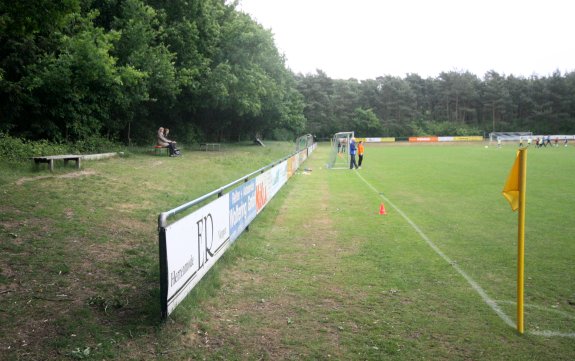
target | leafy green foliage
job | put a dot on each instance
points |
(71, 70)
(443, 128)
(122, 69)
(454, 103)
(18, 149)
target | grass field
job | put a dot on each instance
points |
(320, 275)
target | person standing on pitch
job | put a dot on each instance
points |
(352, 151)
(360, 153)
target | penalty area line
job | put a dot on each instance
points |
(488, 300)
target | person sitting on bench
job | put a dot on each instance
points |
(165, 142)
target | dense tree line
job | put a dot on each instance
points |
(75, 70)
(454, 103)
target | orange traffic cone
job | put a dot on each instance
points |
(382, 209)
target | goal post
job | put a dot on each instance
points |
(339, 152)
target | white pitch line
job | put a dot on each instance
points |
(552, 334)
(541, 308)
(490, 302)
(546, 333)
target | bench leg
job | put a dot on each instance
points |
(51, 161)
(77, 160)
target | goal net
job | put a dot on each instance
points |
(509, 136)
(339, 153)
(304, 141)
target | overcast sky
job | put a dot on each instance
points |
(364, 39)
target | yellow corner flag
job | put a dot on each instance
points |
(514, 192)
(511, 189)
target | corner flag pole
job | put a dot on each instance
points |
(522, 154)
(514, 192)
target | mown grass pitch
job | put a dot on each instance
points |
(320, 275)
(453, 194)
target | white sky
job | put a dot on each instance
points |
(364, 39)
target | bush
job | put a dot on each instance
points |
(94, 144)
(188, 135)
(443, 129)
(282, 135)
(19, 149)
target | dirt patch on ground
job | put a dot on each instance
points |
(82, 173)
(48, 287)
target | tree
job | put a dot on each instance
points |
(76, 69)
(26, 30)
(141, 49)
(366, 122)
(398, 104)
(72, 92)
(497, 100)
(344, 102)
(459, 91)
(318, 90)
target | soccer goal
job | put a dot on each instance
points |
(304, 141)
(339, 154)
(509, 136)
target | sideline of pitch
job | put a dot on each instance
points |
(488, 300)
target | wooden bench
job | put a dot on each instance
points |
(207, 146)
(51, 158)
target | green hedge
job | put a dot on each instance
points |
(18, 149)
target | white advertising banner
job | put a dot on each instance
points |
(194, 243)
(311, 148)
(190, 246)
(263, 190)
(302, 156)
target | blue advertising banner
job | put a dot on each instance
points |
(242, 208)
